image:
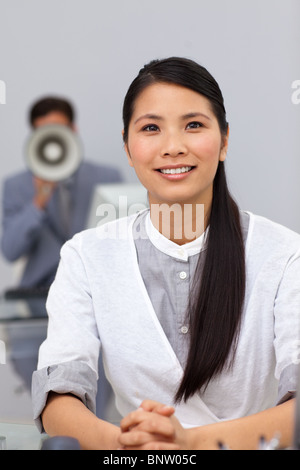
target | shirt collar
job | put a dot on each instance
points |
(170, 248)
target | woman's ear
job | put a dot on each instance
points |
(224, 148)
(127, 150)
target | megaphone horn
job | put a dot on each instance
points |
(53, 152)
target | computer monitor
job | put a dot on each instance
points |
(113, 201)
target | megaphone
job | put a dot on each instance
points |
(53, 152)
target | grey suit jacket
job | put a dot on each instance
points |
(37, 234)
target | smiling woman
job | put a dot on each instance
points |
(197, 333)
(170, 146)
(173, 122)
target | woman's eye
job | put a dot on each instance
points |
(150, 128)
(194, 125)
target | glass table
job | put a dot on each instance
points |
(23, 327)
(14, 436)
(22, 309)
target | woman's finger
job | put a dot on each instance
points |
(156, 407)
(149, 422)
(132, 419)
(142, 440)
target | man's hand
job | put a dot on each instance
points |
(43, 192)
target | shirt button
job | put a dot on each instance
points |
(182, 275)
(184, 329)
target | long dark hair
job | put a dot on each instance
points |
(216, 301)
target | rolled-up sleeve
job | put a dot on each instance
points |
(288, 383)
(75, 378)
(68, 358)
(287, 330)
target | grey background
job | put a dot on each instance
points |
(90, 51)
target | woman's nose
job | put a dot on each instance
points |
(173, 145)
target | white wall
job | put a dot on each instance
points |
(90, 51)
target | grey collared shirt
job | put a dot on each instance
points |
(167, 270)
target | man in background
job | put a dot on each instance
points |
(39, 216)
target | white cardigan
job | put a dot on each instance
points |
(99, 297)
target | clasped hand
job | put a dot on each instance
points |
(152, 426)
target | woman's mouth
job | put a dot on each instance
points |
(175, 171)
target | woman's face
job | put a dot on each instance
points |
(175, 144)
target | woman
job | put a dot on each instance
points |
(196, 311)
